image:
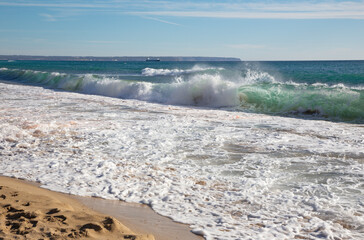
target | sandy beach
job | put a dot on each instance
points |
(140, 218)
(30, 212)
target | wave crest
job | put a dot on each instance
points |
(166, 72)
(333, 102)
(255, 91)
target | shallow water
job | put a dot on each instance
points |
(229, 174)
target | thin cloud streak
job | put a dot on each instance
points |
(160, 20)
(53, 5)
(239, 10)
(260, 15)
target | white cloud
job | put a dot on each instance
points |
(48, 17)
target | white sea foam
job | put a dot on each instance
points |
(117, 88)
(230, 175)
(165, 72)
(205, 90)
(156, 72)
(201, 89)
(252, 76)
(253, 90)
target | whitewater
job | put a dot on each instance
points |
(263, 154)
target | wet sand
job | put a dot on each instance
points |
(28, 211)
(141, 218)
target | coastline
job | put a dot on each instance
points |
(228, 174)
(22, 196)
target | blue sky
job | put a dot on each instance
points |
(250, 30)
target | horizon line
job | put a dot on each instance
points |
(170, 56)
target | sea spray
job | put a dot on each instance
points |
(246, 89)
(195, 69)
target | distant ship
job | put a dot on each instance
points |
(152, 60)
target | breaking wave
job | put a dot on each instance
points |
(176, 71)
(333, 102)
(254, 91)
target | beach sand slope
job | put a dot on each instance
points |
(29, 212)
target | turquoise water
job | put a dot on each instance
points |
(332, 90)
(245, 155)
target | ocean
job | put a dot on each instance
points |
(237, 150)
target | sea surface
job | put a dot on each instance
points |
(237, 150)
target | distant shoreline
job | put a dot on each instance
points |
(117, 59)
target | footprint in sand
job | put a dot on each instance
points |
(130, 237)
(14, 194)
(61, 218)
(93, 226)
(19, 221)
(18, 215)
(53, 211)
(108, 223)
(58, 218)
